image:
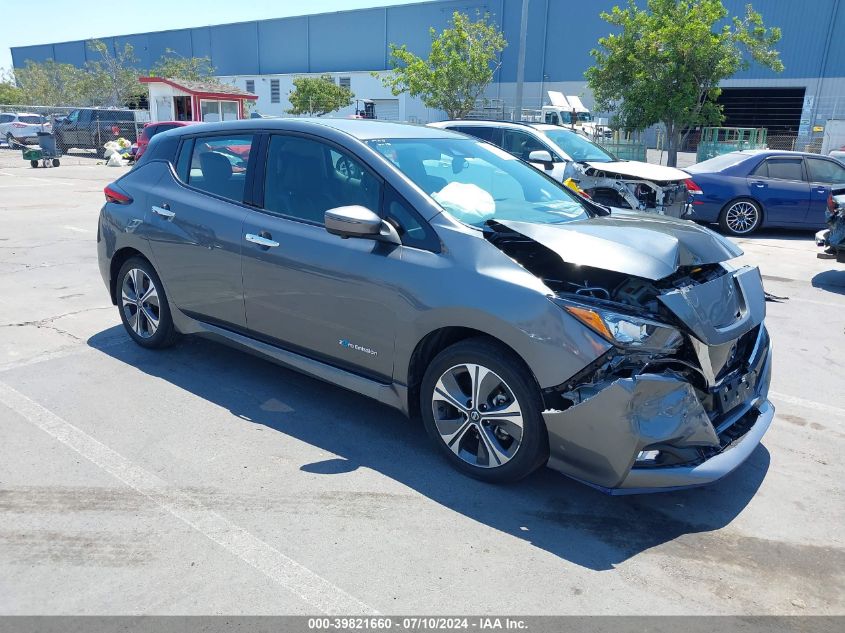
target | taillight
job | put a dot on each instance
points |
(692, 188)
(831, 204)
(115, 129)
(115, 195)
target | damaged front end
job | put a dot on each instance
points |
(680, 399)
(635, 186)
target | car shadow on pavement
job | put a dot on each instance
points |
(548, 510)
(830, 280)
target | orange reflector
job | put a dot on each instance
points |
(591, 319)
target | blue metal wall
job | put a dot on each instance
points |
(561, 34)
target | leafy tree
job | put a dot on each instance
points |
(52, 83)
(174, 66)
(10, 93)
(666, 62)
(317, 96)
(459, 67)
(112, 80)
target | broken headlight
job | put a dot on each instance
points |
(626, 330)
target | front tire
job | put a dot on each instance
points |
(482, 409)
(144, 309)
(741, 217)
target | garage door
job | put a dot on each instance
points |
(387, 109)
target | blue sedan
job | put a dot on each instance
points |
(743, 191)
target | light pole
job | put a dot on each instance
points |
(520, 68)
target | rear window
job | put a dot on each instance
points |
(151, 130)
(32, 118)
(719, 163)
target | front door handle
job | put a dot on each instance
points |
(266, 242)
(164, 212)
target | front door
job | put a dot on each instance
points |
(822, 173)
(195, 227)
(307, 290)
(780, 186)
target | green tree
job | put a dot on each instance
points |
(317, 96)
(112, 80)
(171, 65)
(10, 93)
(667, 60)
(459, 67)
(51, 83)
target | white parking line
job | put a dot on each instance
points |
(314, 589)
(77, 229)
(807, 404)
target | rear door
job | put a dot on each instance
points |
(781, 186)
(195, 224)
(822, 172)
(307, 290)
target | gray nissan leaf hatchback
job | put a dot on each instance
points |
(446, 278)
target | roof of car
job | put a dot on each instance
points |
(362, 129)
(772, 152)
(517, 125)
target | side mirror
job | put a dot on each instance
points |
(358, 221)
(541, 156)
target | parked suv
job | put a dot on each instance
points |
(92, 128)
(22, 127)
(443, 277)
(562, 154)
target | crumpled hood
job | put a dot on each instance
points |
(646, 171)
(651, 247)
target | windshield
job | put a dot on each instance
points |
(578, 148)
(477, 182)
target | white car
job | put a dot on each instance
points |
(562, 154)
(22, 127)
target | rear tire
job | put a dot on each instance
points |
(741, 217)
(501, 438)
(33, 164)
(56, 162)
(143, 306)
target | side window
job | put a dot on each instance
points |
(7, 118)
(73, 117)
(825, 171)
(183, 163)
(762, 170)
(218, 165)
(552, 118)
(413, 230)
(786, 169)
(521, 144)
(485, 133)
(305, 178)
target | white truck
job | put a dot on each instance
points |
(560, 112)
(834, 139)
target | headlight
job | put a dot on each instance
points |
(626, 330)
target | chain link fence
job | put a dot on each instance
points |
(76, 129)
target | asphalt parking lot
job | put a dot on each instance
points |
(201, 480)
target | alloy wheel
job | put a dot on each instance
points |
(140, 303)
(477, 415)
(742, 217)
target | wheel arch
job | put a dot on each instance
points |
(430, 345)
(118, 259)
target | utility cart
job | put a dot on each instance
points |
(46, 153)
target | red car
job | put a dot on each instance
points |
(151, 129)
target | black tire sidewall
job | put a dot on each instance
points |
(723, 224)
(534, 451)
(166, 333)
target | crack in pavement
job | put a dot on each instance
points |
(47, 323)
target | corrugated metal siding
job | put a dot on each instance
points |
(561, 34)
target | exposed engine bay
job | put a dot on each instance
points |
(607, 186)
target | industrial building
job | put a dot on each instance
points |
(263, 57)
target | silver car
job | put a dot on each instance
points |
(446, 278)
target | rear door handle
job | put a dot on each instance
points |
(164, 212)
(266, 242)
